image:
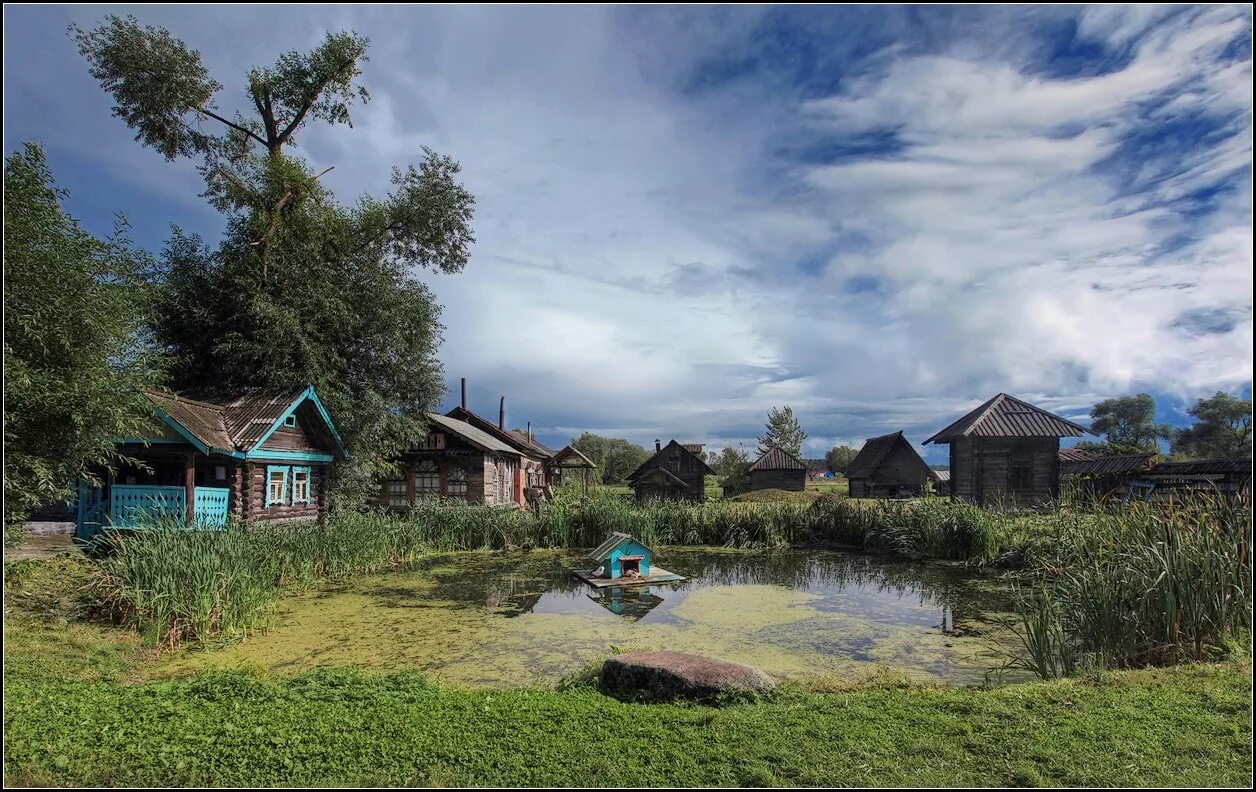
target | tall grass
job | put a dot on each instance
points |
(1144, 584)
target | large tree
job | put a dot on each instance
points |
(1128, 426)
(1223, 429)
(839, 458)
(75, 346)
(301, 289)
(615, 457)
(782, 430)
(733, 467)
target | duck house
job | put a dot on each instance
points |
(622, 560)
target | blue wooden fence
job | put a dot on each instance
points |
(139, 505)
(134, 505)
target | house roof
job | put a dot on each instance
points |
(235, 424)
(1099, 465)
(515, 440)
(646, 465)
(777, 458)
(571, 450)
(1008, 416)
(874, 452)
(668, 478)
(1075, 455)
(604, 550)
(1203, 467)
(941, 475)
(471, 434)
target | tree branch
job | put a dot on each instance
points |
(236, 127)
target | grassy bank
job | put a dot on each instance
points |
(1185, 726)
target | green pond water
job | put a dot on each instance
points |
(520, 618)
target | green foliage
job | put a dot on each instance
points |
(1143, 584)
(1128, 425)
(733, 467)
(615, 458)
(839, 458)
(782, 430)
(1187, 727)
(1223, 429)
(301, 290)
(75, 347)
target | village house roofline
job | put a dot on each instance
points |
(874, 452)
(777, 458)
(472, 435)
(644, 466)
(521, 444)
(1008, 416)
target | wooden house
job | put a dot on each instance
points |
(673, 473)
(1102, 476)
(778, 469)
(622, 556)
(534, 458)
(888, 467)
(459, 461)
(257, 456)
(1006, 451)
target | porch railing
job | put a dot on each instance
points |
(139, 505)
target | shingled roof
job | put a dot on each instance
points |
(1075, 455)
(472, 434)
(1008, 416)
(1102, 465)
(237, 423)
(874, 451)
(777, 458)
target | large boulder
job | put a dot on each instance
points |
(668, 675)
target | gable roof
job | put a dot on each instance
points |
(570, 450)
(1075, 455)
(1203, 467)
(238, 424)
(604, 550)
(471, 434)
(1008, 416)
(940, 475)
(647, 465)
(777, 458)
(874, 452)
(1098, 465)
(669, 478)
(518, 442)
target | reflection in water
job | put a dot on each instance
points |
(521, 618)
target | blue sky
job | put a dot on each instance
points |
(688, 215)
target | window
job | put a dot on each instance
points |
(456, 484)
(395, 493)
(426, 479)
(433, 442)
(220, 472)
(276, 485)
(291, 420)
(1020, 471)
(300, 485)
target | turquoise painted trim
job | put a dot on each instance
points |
(288, 456)
(178, 427)
(312, 396)
(283, 497)
(309, 483)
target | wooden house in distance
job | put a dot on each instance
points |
(673, 473)
(1101, 476)
(1006, 450)
(888, 467)
(255, 456)
(778, 469)
(459, 461)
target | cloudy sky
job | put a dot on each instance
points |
(688, 215)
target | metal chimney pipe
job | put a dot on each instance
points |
(529, 431)
(657, 446)
(501, 415)
(464, 393)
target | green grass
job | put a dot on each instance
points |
(1187, 726)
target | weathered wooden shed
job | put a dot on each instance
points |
(255, 456)
(778, 469)
(1230, 478)
(1096, 475)
(1006, 451)
(887, 467)
(673, 473)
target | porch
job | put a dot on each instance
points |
(145, 505)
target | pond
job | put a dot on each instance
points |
(520, 618)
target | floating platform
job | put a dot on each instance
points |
(657, 575)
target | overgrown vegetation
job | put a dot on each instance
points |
(1147, 584)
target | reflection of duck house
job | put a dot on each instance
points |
(632, 603)
(623, 561)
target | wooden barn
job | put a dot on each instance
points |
(673, 473)
(1006, 451)
(888, 467)
(257, 456)
(1096, 475)
(778, 469)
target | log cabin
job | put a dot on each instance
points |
(674, 473)
(776, 468)
(456, 460)
(256, 456)
(1006, 451)
(888, 467)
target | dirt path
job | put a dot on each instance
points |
(43, 542)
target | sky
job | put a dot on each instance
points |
(685, 216)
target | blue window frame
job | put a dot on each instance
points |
(277, 478)
(302, 484)
(291, 420)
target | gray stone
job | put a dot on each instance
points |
(668, 675)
